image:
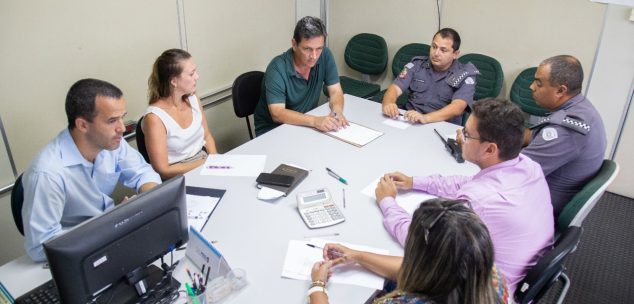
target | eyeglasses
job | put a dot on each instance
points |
(465, 135)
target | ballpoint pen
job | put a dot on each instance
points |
(219, 167)
(335, 175)
(332, 252)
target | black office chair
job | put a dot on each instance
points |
(246, 94)
(140, 140)
(17, 200)
(549, 269)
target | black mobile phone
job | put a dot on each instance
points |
(275, 179)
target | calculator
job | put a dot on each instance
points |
(318, 209)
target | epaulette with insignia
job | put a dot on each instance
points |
(561, 119)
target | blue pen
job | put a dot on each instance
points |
(335, 175)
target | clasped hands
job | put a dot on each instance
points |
(391, 110)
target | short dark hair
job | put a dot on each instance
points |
(309, 27)
(565, 70)
(450, 33)
(81, 98)
(500, 122)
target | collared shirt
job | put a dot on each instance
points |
(511, 198)
(63, 189)
(283, 85)
(430, 91)
(569, 158)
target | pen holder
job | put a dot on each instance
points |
(223, 286)
(197, 299)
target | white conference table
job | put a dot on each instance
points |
(254, 234)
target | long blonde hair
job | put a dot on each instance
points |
(448, 255)
(165, 68)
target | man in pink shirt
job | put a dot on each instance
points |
(510, 193)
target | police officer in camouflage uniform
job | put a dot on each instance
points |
(440, 87)
(570, 143)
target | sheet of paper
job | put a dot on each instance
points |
(409, 200)
(356, 134)
(199, 208)
(300, 259)
(399, 123)
(267, 193)
(233, 165)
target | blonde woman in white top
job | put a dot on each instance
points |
(177, 137)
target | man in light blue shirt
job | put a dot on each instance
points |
(72, 178)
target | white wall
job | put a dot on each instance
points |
(47, 46)
(519, 34)
(610, 90)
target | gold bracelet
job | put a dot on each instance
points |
(319, 283)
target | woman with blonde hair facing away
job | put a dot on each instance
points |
(448, 258)
(176, 133)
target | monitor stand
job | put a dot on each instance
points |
(126, 293)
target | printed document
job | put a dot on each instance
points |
(300, 259)
(199, 209)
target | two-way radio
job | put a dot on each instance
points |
(452, 147)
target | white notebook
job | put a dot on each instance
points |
(355, 134)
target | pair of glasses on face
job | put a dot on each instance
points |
(466, 135)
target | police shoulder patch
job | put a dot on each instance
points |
(469, 80)
(549, 134)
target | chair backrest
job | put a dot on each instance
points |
(582, 203)
(405, 54)
(548, 269)
(246, 92)
(17, 200)
(489, 82)
(522, 95)
(140, 140)
(366, 53)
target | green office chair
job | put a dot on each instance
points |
(549, 269)
(402, 57)
(582, 203)
(489, 82)
(522, 95)
(365, 53)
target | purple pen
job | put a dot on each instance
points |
(219, 167)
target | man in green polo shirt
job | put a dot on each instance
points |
(294, 80)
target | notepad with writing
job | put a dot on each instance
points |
(298, 175)
(355, 134)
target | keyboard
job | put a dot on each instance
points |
(45, 293)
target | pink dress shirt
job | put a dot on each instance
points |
(511, 198)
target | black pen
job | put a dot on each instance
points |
(332, 252)
(335, 175)
(207, 277)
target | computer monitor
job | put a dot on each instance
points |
(102, 251)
